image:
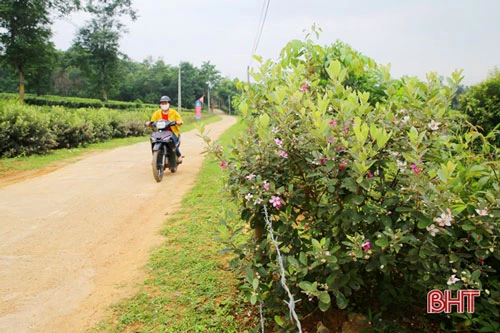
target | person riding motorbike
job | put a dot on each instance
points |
(166, 113)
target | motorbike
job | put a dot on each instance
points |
(163, 147)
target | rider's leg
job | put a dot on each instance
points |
(177, 144)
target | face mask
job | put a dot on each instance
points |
(165, 107)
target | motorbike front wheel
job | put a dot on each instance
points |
(158, 165)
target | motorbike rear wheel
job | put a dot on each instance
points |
(158, 165)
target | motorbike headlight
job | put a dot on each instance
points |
(161, 124)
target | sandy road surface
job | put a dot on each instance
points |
(75, 240)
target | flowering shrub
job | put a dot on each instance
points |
(372, 191)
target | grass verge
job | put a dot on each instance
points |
(188, 288)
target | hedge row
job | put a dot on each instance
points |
(76, 103)
(28, 130)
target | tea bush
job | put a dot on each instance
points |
(373, 190)
(26, 130)
(23, 132)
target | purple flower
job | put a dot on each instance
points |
(304, 87)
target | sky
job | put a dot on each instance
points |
(414, 36)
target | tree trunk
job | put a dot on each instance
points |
(21, 86)
(105, 95)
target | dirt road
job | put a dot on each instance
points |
(75, 240)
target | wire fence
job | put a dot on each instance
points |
(291, 301)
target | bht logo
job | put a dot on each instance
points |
(438, 301)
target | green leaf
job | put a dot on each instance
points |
(341, 300)
(324, 297)
(264, 120)
(475, 275)
(306, 285)
(255, 284)
(468, 227)
(293, 261)
(278, 320)
(382, 242)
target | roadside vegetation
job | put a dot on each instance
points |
(69, 134)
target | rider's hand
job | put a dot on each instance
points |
(147, 123)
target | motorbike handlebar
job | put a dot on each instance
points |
(153, 123)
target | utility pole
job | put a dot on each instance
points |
(180, 91)
(209, 84)
(229, 103)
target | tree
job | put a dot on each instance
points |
(24, 36)
(225, 91)
(25, 32)
(210, 76)
(482, 104)
(99, 42)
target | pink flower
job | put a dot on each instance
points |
(346, 128)
(257, 201)
(223, 165)
(366, 246)
(333, 123)
(445, 219)
(249, 196)
(482, 212)
(278, 142)
(283, 154)
(433, 125)
(370, 175)
(276, 201)
(250, 176)
(416, 169)
(452, 280)
(331, 140)
(432, 230)
(323, 160)
(266, 185)
(304, 87)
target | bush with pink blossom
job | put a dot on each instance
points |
(373, 190)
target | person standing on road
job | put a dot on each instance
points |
(166, 113)
(198, 104)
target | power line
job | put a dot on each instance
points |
(262, 20)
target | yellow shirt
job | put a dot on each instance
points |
(172, 115)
